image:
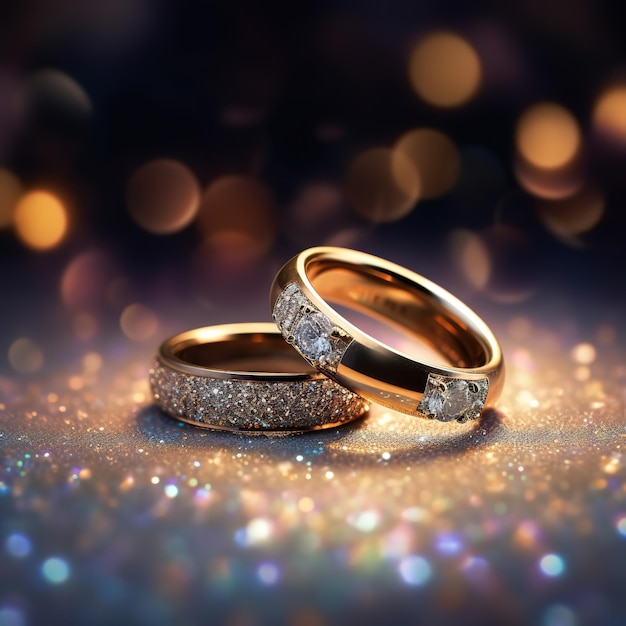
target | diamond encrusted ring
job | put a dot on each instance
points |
(470, 376)
(244, 377)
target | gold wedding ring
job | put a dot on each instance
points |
(244, 377)
(471, 376)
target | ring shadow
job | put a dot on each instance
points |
(343, 444)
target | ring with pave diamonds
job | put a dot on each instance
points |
(245, 377)
(404, 301)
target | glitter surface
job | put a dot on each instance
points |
(111, 510)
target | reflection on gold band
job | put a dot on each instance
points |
(379, 289)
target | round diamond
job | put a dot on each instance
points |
(312, 336)
(457, 399)
(451, 403)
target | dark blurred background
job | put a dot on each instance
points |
(161, 160)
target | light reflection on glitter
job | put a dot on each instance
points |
(258, 530)
(552, 565)
(171, 491)
(559, 615)
(306, 504)
(584, 354)
(415, 570)
(202, 496)
(621, 526)
(398, 543)
(414, 514)
(448, 545)
(55, 570)
(18, 545)
(527, 534)
(365, 521)
(11, 616)
(476, 568)
(268, 573)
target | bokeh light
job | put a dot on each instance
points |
(258, 531)
(25, 356)
(268, 573)
(609, 113)
(572, 216)
(548, 136)
(10, 192)
(237, 219)
(18, 545)
(163, 196)
(527, 534)
(55, 570)
(445, 70)
(171, 491)
(58, 102)
(85, 326)
(85, 279)
(559, 615)
(415, 570)
(583, 353)
(315, 212)
(365, 521)
(552, 565)
(40, 220)
(511, 261)
(138, 322)
(435, 157)
(549, 184)
(92, 362)
(12, 616)
(382, 185)
(58, 109)
(470, 257)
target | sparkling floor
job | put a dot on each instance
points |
(111, 511)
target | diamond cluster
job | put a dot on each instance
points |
(309, 330)
(233, 404)
(446, 399)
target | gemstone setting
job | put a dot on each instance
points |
(303, 403)
(447, 399)
(310, 331)
(312, 335)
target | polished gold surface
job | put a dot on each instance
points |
(386, 291)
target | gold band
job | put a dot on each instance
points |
(402, 299)
(245, 377)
